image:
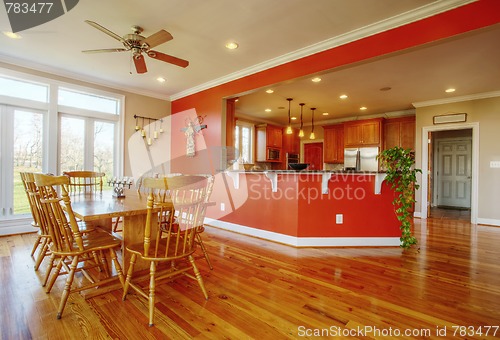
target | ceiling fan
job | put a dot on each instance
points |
(138, 45)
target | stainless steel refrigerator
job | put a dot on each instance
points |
(361, 159)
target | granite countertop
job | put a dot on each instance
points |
(307, 171)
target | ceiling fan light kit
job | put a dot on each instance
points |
(138, 44)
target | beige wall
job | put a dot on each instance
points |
(487, 113)
(135, 104)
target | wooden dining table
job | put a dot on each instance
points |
(100, 208)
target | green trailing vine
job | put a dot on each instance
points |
(402, 175)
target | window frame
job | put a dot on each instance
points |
(243, 124)
(12, 224)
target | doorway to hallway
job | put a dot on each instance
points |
(450, 169)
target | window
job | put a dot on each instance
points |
(21, 150)
(46, 127)
(244, 141)
(88, 101)
(72, 144)
(81, 150)
(104, 136)
(22, 89)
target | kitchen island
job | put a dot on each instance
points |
(307, 208)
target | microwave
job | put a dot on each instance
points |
(273, 154)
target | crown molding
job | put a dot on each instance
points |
(363, 32)
(470, 97)
(51, 72)
(393, 114)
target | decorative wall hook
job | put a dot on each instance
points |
(148, 137)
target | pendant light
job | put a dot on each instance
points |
(312, 136)
(289, 130)
(301, 131)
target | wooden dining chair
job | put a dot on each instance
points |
(85, 181)
(201, 223)
(69, 244)
(43, 237)
(176, 242)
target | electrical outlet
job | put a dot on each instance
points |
(494, 164)
(339, 218)
(222, 207)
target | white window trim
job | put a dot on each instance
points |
(18, 224)
(252, 137)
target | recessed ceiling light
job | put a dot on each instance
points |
(231, 45)
(270, 91)
(294, 118)
(268, 110)
(325, 113)
(343, 96)
(450, 90)
(362, 108)
(12, 35)
(161, 79)
(316, 79)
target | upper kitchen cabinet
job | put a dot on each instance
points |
(291, 142)
(269, 143)
(363, 133)
(273, 135)
(334, 143)
(399, 132)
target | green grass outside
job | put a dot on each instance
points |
(21, 204)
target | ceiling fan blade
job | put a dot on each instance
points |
(106, 50)
(168, 58)
(158, 38)
(108, 32)
(140, 64)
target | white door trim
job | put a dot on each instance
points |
(475, 165)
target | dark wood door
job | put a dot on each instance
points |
(313, 154)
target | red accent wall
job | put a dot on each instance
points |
(210, 103)
(466, 18)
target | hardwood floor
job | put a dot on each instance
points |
(264, 290)
(450, 213)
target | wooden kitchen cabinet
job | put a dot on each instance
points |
(274, 136)
(334, 143)
(399, 132)
(269, 140)
(363, 133)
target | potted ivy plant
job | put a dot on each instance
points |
(402, 176)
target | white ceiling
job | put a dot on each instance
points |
(266, 31)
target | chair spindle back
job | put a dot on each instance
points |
(62, 225)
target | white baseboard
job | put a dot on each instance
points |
(17, 226)
(417, 214)
(306, 241)
(488, 221)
